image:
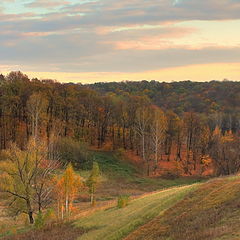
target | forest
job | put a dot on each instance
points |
(49, 131)
(195, 125)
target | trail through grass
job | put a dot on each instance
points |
(115, 223)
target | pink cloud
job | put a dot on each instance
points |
(139, 45)
(36, 34)
(151, 44)
(157, 41)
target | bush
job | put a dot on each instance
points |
(119, 153)
(39, 221)
(123, 201)
(74, 152)
(44, 219)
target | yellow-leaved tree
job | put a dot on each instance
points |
(92, 182)
(24, 178)
(67, 187)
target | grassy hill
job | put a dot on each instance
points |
(206, 211)
(115, 223)
(118, 177)
(201, 211)
(211, 212)
(184, 210)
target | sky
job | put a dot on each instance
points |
(108, 40)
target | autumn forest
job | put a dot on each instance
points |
(51, 131)
(185, 122)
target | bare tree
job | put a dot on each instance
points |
(25, 178)
(158, 132)
(35, 106)
(142, 125)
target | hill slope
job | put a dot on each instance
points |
(210, 212)
(202, 211)
(115, 223)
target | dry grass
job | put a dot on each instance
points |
(61, 231)
(211, 212)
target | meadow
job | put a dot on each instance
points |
(116, 223)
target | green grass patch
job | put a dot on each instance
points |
(115, 168)
(112, 165)
(160, 183)
(116, 223)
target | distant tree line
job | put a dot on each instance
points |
(191, 124)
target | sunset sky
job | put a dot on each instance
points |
(114, 40)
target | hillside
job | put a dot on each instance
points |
(64, 147)
(115, 223)
(209, 213)
(119, 176)
(119, 120)
(202, 211)
(195, 212)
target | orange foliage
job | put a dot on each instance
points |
(66, 191)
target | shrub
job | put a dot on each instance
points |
(123, 201)
(49, 216)
(39, 221)
(44, 219)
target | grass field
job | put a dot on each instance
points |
(115, 223)
(202, 211)
(212, 212)
(119, 176)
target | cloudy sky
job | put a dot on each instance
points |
(115, 40)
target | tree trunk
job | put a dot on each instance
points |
(143, 147)
(62, 211)
(30, 215)
(156, 151)
(124, 137)
(113, 138)
(66, 205)
(148, 168)
(30, 212)
(92, 198)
